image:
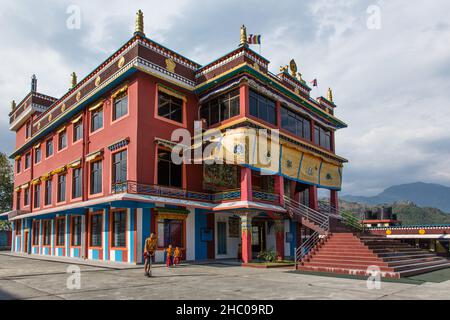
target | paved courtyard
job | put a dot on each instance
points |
(24, 278)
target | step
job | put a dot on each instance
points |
(388, 250)
(355, 272)
(344, 242)
(344, 247)
(419, 265)
(412, 272)
(362, 266)
(407, 257)
(344, 251)
(397, 263)
(347, 254)
(373, 261)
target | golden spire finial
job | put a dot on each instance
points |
(13, 105)
(330, 95)
(74, 79)
(139, 24)
(243, 36)
(293, 67)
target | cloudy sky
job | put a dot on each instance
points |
(391, 80)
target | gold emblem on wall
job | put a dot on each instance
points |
(256, 66)
(39, 126)
(422, 231)
(170, 65)
(121, 62)
(63, 107)
(78, 97)
(49, 117)
(388, 231)
(97, 81)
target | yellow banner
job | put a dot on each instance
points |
(290, 162)
(309, 171)
(330, 175)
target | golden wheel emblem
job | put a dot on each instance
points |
(121, 62)
(388, 231)
(78, 96)
(97, 81)
(63, 107)
(422, 231)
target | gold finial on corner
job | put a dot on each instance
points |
(293, 67)
(284, 69)
(330, 95)
(244, 40)
(139, 24)
(13, 105)
(74, 79)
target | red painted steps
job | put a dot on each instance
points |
(349, 254)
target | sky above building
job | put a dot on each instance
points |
(388, 63)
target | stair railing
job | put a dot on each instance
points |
(347, 217)
(320, 219)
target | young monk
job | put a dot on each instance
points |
(169, 255)
(149, 252)
(176, 256)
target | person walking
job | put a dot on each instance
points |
(149, 252)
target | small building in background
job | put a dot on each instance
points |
(380, 217)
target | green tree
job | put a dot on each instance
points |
(6, 186)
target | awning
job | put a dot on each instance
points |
(94, 155)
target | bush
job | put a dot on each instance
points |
(269, 256)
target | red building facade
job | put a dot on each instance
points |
(94, 175)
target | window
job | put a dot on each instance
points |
(169, 174)
(18, 227)
(28, 130)
(48, 192)
(76, 231)
(18, 165)
(49, 148)
(37, 196)
(95, 238)
(27, 160)
(170, 231)
(221, 108)
(61, 187)
(119, 224)
(77, 130)
(62, 140)
(120, 106)
(96, 177)
(26, 197)
(60, 231)
(47, 231)
(37, 155)
(76, 183)
(170, 107)
(262, 108)
(96, 119)
(35, 233)
(295, 124)
(322, 137)
(18, 200)
(119, 167)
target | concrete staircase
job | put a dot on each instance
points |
(346, 253)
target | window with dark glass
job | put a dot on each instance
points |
(62, 140)
(26, 197)
(77, 130)
(322, 137)
(37, 155)
(18, 165)
(37, 196)
(28, 130)
(170, 107)
(120, 106)
(18, 227)
(96, 177)
(47, 230)
(76, 231)
(48, 192)
(169, 173)
(76, 183)
(96, 119)
(35, 233)
(119, 167)
(18, 200)
(49, 148)
(263, 108)
(27, 160)
(221, 108)
(119, 228)
(95, 239)
(295, 124)
(60, 231)
(61, 187)
(170, 231)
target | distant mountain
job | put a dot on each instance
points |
(420, 193)
(407, 212)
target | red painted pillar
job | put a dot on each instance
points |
(334, 199)
(244, 94)
(246, 184)
(279, 238)
(246, 235)
(313, 200)
(279, 188)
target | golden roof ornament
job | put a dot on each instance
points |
(13, 105)
(330, 95)
(139, 23)
(244, 36)
(74, 79)
(293, 67)
(284, 69)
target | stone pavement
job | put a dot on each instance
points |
(24, 278)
